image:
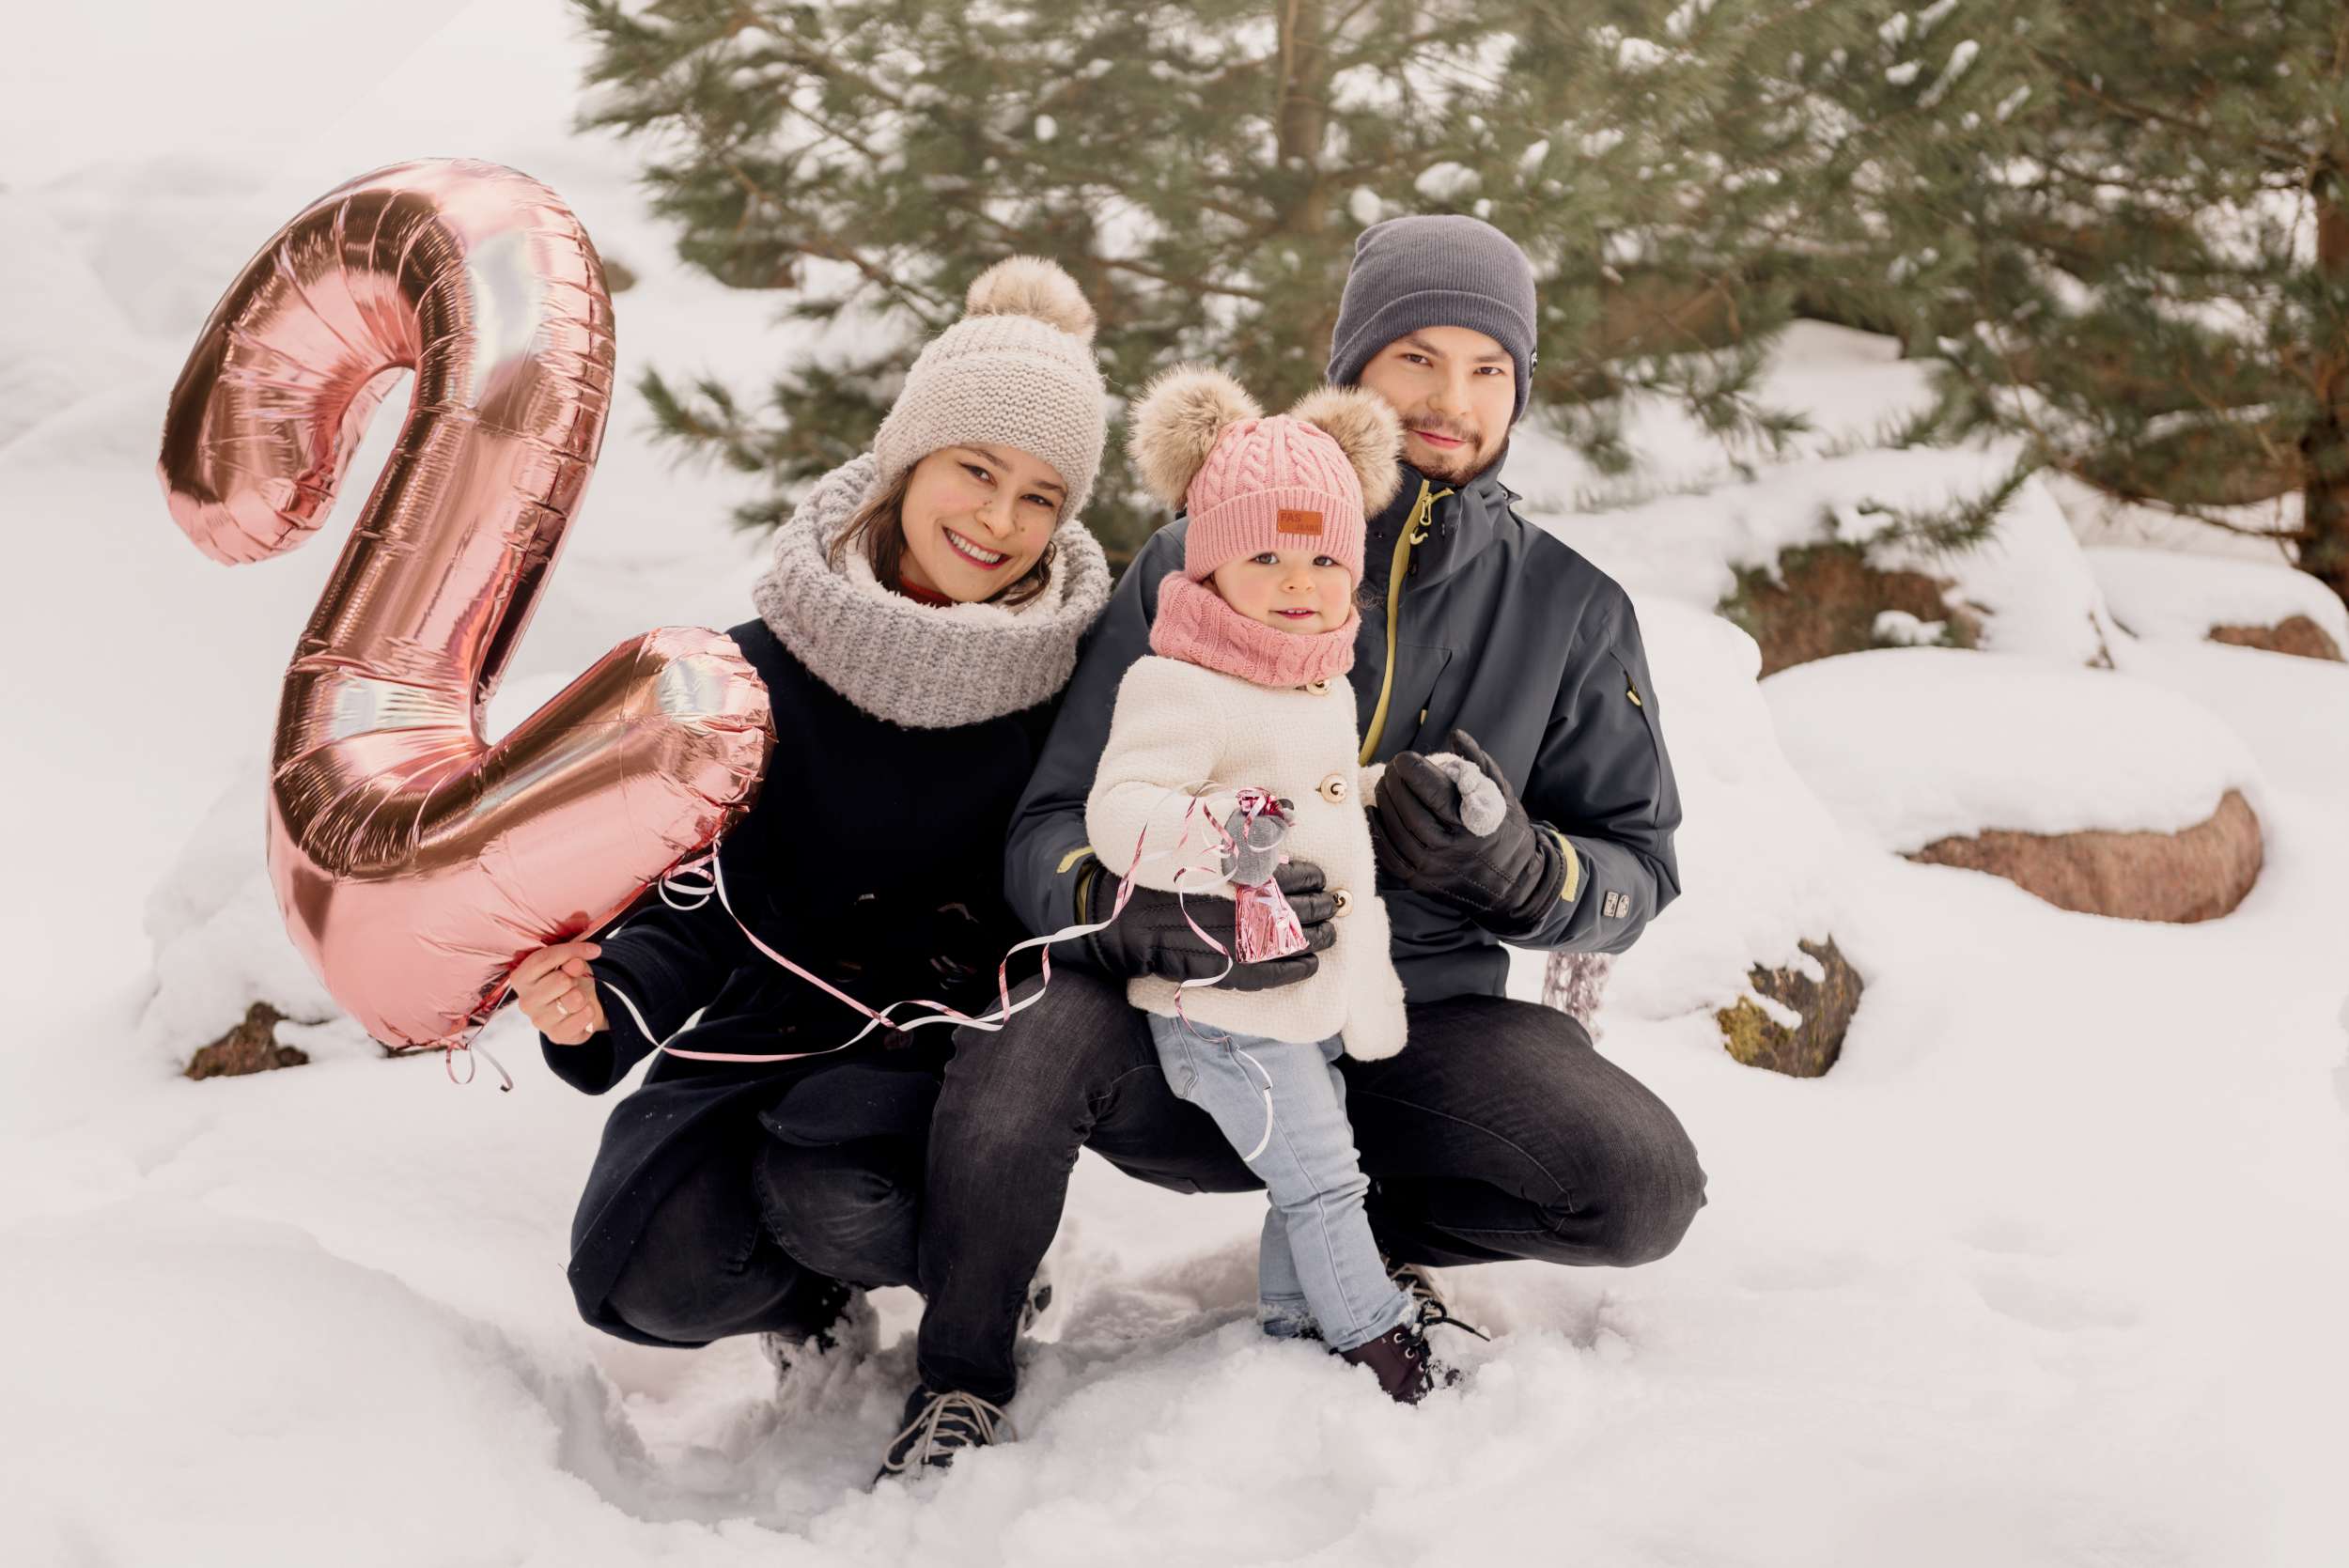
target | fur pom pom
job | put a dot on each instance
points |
(1176, 424)
(1030, 286)
(1366, 429)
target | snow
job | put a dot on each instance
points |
(1756, 896)
(2157, 592)
(1446, 181)
(2041, 1273)
(2030, 579)
(2105, 751)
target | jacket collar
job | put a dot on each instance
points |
(1460, 524)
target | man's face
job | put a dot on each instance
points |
(1456, 389)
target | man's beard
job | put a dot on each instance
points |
(1461, 465)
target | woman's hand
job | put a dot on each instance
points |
(558, 993)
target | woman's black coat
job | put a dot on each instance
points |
(873, 857)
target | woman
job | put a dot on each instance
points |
(918, 623)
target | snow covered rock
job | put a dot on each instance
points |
(2256, 604)
(2293, 634)
(2093, 791)
(2197, 873)
(1819, 600)
(2027, 583)
(220, 943)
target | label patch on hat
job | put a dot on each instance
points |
(1294, 519)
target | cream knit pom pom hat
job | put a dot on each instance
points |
(1017, 370)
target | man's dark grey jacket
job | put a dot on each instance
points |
(1498, 629)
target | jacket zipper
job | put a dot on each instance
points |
(1414, 532)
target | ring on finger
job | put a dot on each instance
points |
(563, 1007)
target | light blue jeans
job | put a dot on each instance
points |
(1317, 1263)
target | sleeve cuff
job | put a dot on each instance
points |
(1572, 886)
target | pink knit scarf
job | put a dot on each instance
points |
(1195, 626)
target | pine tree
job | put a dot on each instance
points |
(2150, 273)
(1680, 175)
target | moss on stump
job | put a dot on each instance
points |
(1825, 1005)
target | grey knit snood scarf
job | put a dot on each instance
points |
(923, 666)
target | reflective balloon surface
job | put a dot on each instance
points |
(415, 863)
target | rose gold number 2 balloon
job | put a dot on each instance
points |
(415, 864)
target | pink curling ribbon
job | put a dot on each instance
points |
(680, 890)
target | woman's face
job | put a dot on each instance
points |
(976, 518)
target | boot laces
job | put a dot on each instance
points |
(949, 1423)
(1431, 1311)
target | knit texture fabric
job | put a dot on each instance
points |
(1001, 377)
(1182, 738)
(1435, 271)
(915, 664)
(1196, 626)
(1274, 483)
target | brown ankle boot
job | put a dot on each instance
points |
(1405, 1369)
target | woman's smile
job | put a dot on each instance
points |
(985, 560)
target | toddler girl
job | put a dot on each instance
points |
(1236, 731)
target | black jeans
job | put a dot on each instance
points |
(1499, 1133)
(763, 1234)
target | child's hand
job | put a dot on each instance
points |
(557, 992)
(1154, 936)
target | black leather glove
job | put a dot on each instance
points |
(1506, 881)
(1153, 938)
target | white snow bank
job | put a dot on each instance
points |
(208, 1422)
(2293, 713)
(1762, 865)
(2028, 576)
(219, 940)
(1908, 745)
(61, 338)
(2164, 594)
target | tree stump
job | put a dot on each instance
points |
(1825, 1005)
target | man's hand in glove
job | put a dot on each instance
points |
(1505, 880)
(1153, 938)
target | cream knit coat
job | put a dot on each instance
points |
(1180, 726)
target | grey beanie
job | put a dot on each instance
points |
(1017, 369)
(1435, 271)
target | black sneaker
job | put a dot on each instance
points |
(937, 1428)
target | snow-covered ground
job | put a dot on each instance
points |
(2048, 1269)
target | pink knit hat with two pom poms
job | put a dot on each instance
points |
(1303, 480)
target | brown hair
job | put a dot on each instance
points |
(879, 529)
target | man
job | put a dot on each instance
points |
(1500, 1133)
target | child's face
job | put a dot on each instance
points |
(1293, 589)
